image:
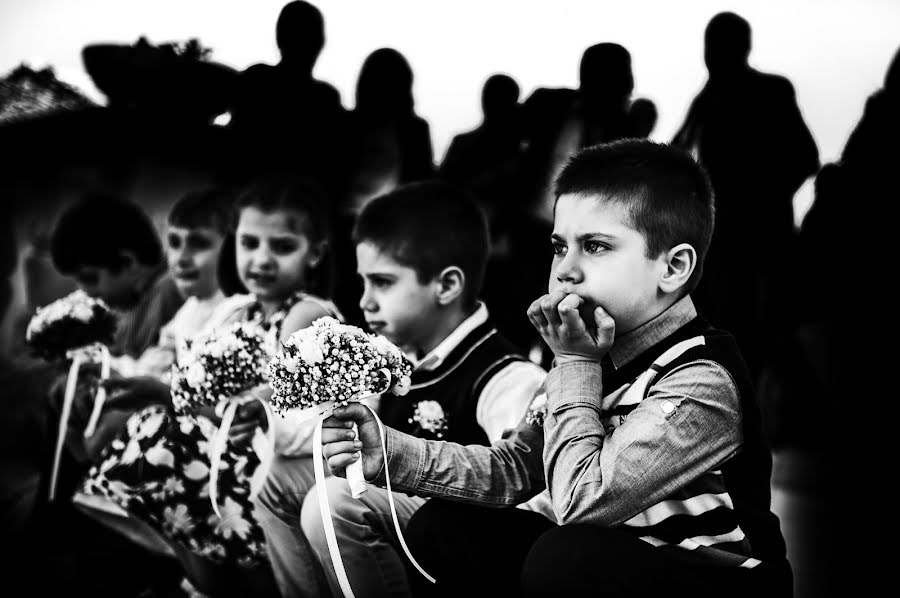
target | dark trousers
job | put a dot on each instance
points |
(477, 551)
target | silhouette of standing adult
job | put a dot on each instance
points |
(484, 159)
(866, 170)
(559, 122)
(283, 118)
(389, 145)
(393, 142)
(746, 128)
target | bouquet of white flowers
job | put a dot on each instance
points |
(219, 365)
(68, 324)
(218, 369)
(76, 327)
(330, 364)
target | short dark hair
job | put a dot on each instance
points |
(95, 230)
(273, 191)
(668, 195)
(428, 226)
(211, 208)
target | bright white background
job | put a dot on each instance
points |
(835, 52)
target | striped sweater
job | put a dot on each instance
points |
(723, 514)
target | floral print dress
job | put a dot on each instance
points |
(158, 471)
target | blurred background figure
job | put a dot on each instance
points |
(746, 128)
(390, 144)
(284, 118)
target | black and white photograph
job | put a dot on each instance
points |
(416, 298)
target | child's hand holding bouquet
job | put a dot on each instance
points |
(220, 370)
(330, 364)
(77, 328)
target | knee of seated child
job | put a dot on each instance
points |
(344, 508)
(286, 485)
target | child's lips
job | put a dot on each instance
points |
(375, 326)
(261, 279)
(187, 275)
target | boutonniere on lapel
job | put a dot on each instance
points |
(429, 417)
(537, 410)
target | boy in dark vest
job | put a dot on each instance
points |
(421, 252)
(648, 436)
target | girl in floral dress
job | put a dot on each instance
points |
(158, 469)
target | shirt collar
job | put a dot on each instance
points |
(436, 356)
(632, 344)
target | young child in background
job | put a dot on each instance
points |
(649, 438)
(112, 250)
(421, 252)
(197, 227)
(282, 258)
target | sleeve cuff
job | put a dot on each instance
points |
(577, 382)
(404, 458)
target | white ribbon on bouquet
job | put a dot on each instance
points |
(357, 484)
(93, 353)
(220, 439)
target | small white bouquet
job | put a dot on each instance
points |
(218, 369)
(78, 328)
(329, 363)
(61, 327)
(221, 364)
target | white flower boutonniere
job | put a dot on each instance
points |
(430, 417)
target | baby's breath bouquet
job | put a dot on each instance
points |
(77, 328)
(218, 369)
(326, 365)
(219, 365)
(333, 363)
(329, 364)
(70, 323)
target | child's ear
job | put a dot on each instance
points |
(317, 253)
(680, 262)
(450, 284)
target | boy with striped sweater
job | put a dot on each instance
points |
(648, 439)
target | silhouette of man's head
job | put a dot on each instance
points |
(606, 75)
(385, 83)
(499, 97)
(727, 43)
(643, 115)
(300, 34)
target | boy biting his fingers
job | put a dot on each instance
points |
(648, 437)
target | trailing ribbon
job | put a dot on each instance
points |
(220, 440)
(87, 354)
(325, 507)
(100, 397)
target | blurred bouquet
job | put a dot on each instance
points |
(68, 324)
(330, 362)
(218, 365)
(218, 369)
(76, 327)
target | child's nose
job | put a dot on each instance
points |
(264, 259)
(568, 271)
(366, 302)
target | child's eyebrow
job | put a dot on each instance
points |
(585, 237)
